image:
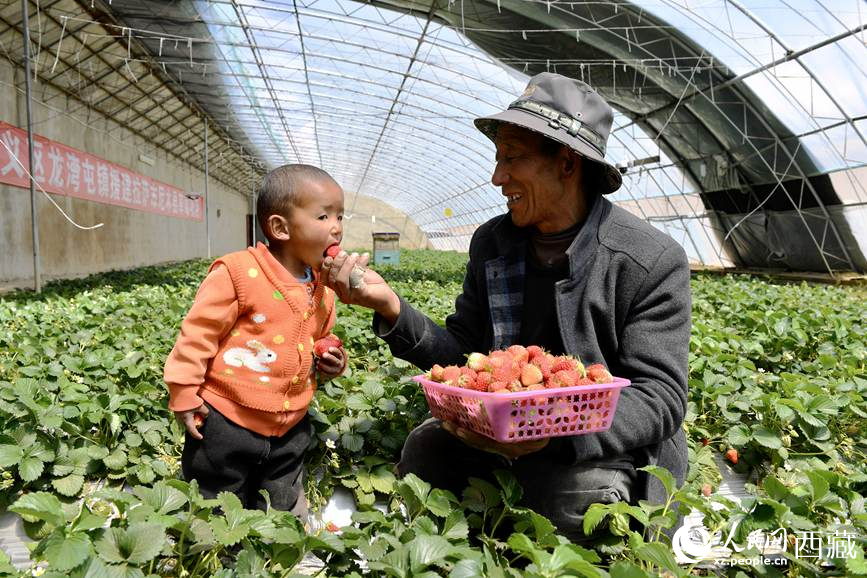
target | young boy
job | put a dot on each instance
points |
(242, 371)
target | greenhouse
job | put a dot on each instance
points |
(462, 288)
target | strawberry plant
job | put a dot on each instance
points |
(89, 453)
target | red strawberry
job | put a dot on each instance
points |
(566, 378)
(531, 375)
(519, 353)
(599, 374)
(544, 365)
(477, 361)
(535, 351)
(502, 373)
(732, 455)
(563, 363)
(584, 381)
(467, 378)
(436, 373)
(499, 359)
(198, 420)
(451, 374)
(332, 251)
(499, 387)
(483, 381)
(322, 346)
(332, 527)
(705, 441)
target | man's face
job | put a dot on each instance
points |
(315, 221)
(537, 190)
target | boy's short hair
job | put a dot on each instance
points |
(279, 190)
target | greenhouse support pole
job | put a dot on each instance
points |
(207, 196)
(37, 274)
(255, 200)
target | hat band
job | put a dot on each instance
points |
(558, 120)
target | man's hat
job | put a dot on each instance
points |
(567, 111)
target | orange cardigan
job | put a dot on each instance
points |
(246, 344)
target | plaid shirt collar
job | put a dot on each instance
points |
(504, 275)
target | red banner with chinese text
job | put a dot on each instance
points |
(62, 170)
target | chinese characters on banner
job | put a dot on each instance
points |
(65, 171)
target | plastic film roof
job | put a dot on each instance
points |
(740, 124)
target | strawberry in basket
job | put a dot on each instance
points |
(547, 395)
(519, 368)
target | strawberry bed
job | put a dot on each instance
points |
(89, 454)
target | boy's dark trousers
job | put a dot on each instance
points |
(559, 490)
(231, 458)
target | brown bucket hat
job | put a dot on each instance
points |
(567, 111)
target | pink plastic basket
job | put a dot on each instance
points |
(526, 415)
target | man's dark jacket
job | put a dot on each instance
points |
(626, 303)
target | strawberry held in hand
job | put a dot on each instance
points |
(356, 276)
(324, 345)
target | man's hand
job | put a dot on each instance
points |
(332, 363)
(189, 418)
(480, 442)
(374, 293)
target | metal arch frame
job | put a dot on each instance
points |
(69, 91)
(597, 25)
(115, 93)
(265, 77)
(408, 143)
(174, 87)
(779, 143)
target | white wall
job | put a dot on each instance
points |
(129, 238)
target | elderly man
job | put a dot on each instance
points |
(567, 270)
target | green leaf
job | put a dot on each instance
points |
(455, 526)
(439, 502)
(352, 442)
(512, 490)
(467, 568)
(566, 556)
(138, 544)
(664, 476)
(116, 460)
(856, 565)
(40, 506)
(767, 438)
(522, 544)
(625, 569)
(30, 468)
(161, 497)
(425, 550)
(382, 479)
(593, 516)
(372, 389)
(68, 486)
(819, 486)
(659, 555)
(65, 552)
(10, 455)
(738, 435)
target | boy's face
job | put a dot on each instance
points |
(315, 221)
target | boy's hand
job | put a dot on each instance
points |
(193, 419)
(332, 362)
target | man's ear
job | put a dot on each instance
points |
(278, 227)
(569, 161)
